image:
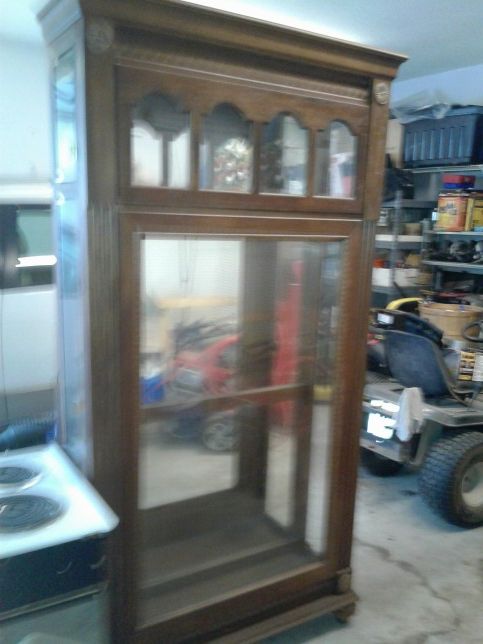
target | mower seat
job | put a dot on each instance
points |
(416, 361)
(386, 320)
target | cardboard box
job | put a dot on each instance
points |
(402, 276)
(474, 213)
(452, 211)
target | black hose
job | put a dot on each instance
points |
(28, 432)
(471, 338)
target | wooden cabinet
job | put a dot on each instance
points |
(217, 181)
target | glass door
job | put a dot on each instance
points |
(237, 340)
(71, 241)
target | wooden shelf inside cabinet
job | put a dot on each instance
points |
(456, 267)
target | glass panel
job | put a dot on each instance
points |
(194, 455)
(233, 453)
(226, 155)
(189, 349)
(72, 285)
(336, 162)
(284, 153)
(65, 132)
(326, 341)
(160, 143)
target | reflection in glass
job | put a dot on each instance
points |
(232, 490)
(284, 152)
(71, 284)
(160, 143)
(281, 463)
(191, 300)
(226, 151)
(186, 455)
(35, 247)
(331, 268)
(65, 132)
(335, 162)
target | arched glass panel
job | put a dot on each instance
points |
(65, 130)
(336, 162)
(160, 143)
(283, 158)
(226, 151)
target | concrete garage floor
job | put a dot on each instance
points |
(420, 580)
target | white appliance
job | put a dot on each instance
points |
(53, 529)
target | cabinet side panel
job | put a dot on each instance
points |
(374, 176)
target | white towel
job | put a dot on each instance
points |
(410, 415)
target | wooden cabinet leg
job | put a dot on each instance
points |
(344, 614)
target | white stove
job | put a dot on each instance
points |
(73, 509)
(53, 527)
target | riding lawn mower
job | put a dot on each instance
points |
(423, 407)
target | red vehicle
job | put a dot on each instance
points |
(209, 368)
(206, 362)
(205, 366)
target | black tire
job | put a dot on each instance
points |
(451, 479)
(379, 465)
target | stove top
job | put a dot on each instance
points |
(27, 511)
(46, 501)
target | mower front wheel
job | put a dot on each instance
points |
(451, 479)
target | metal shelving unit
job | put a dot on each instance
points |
(415, 204)
(403, 241)
(465, 169)
(395, 242)
(467, 235)
(440, 267)
(455, 267)
(393, 290)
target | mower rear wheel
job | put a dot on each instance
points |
(379, 465)
(451, 479)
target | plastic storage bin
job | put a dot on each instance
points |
(450, 318)
(456, 139)
(458, 181)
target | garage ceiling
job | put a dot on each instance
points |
(437, 35)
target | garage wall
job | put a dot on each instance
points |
(24, 113)
(462, 86)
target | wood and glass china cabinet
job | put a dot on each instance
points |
(217, 184)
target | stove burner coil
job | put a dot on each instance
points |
(16, 475)
(27, 511)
